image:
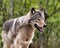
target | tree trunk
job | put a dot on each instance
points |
(11, 9)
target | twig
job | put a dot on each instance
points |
(47, 15)
(54, 12)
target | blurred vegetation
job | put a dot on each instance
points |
(50, 38)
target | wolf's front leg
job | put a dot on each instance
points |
(17, 45)
(8, 46)
(6, 41)
(21, 44)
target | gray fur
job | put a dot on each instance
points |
(18, 32)
(8, 25)
(17, 25)
(36, 16)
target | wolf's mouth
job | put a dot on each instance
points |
(39, 28)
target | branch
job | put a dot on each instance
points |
(47, 15)
(54, 12)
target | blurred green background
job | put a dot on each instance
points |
(50, 38)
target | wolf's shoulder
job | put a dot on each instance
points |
(8, 24)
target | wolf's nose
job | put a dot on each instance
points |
(44, 26)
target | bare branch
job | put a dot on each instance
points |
(54, 12)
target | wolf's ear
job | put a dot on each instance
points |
(41, 9)
(32, 10)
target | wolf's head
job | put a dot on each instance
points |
(38, 19)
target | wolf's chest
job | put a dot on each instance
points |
(28, 36)
(26, 33)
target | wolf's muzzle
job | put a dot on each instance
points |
(44, 26)
(39, 28)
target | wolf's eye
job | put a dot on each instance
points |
(39, 19)
(36, 21)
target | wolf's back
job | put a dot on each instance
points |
(8, 25)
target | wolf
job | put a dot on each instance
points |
(19, 32)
